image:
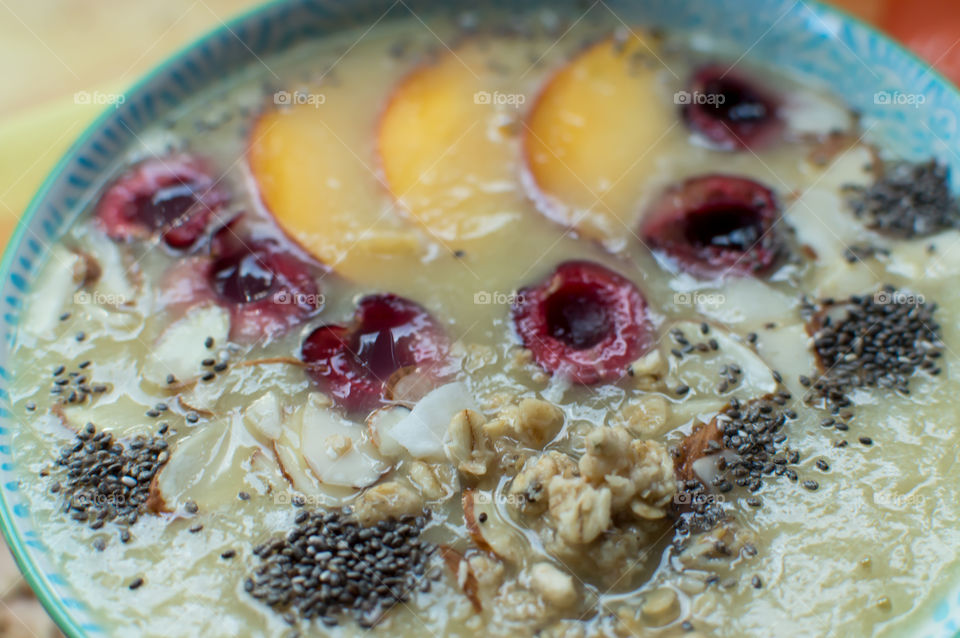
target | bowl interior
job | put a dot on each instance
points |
(904, 104)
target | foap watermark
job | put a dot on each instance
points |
(299, 500)
(294, 98)
(898, 297)
(689, 498)
(888, 500)
(898, 98)
(496, 298)
(97, 97)
(698, 299)
(498, 98)
(486, 498)
(83, 298)
(287, 298)
(699, 97)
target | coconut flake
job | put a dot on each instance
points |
(264, 417)
(379, 424)
(422, 431)
(338, 451)
(700, 371)
(176, 352)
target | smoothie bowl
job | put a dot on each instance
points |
(610, 320)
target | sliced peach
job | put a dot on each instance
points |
(324, 194)
(590, 139)
(447, 148)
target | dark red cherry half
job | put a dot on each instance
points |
(716, 225)
(352, 363)
(729, 111)
(584, 321)
(173, 197)
(267, 288)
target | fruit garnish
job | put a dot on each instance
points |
(729, 111)
(445, 147)
(267, 289)
(583, 321)
(324, 194)
(353, 363)
(715, 225)
(590, 139)
(173, 197)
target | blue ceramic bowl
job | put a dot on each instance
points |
(909, 108)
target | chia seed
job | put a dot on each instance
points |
(908, 200)
(329, 565)
(136, 583)
(874, 341)
(101, 479)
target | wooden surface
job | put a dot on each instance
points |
(52, 49)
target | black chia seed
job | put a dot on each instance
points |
(876, 341)
(754, 431)
(329, 565)
(909, 200)
(103, 480)
(136, 583)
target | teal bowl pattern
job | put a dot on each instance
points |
(906, 105)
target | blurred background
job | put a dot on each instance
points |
(52, 49)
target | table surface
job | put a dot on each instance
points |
(46, 57)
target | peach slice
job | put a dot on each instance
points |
(447, 149)
(324, 194)
(590, 140)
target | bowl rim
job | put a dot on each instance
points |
(38, 582)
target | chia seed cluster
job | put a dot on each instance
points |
(106, 480)
(909, 200)
(879, 341)
(74, 386)
(753, 430)
(331, 565)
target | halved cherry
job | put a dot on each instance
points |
(267, 288)
(353, 363)
(729, 110)
(173, 197)
(716, 225)
(584, 321)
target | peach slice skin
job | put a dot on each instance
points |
(446, 150)
(590, 139)
(324, 195)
